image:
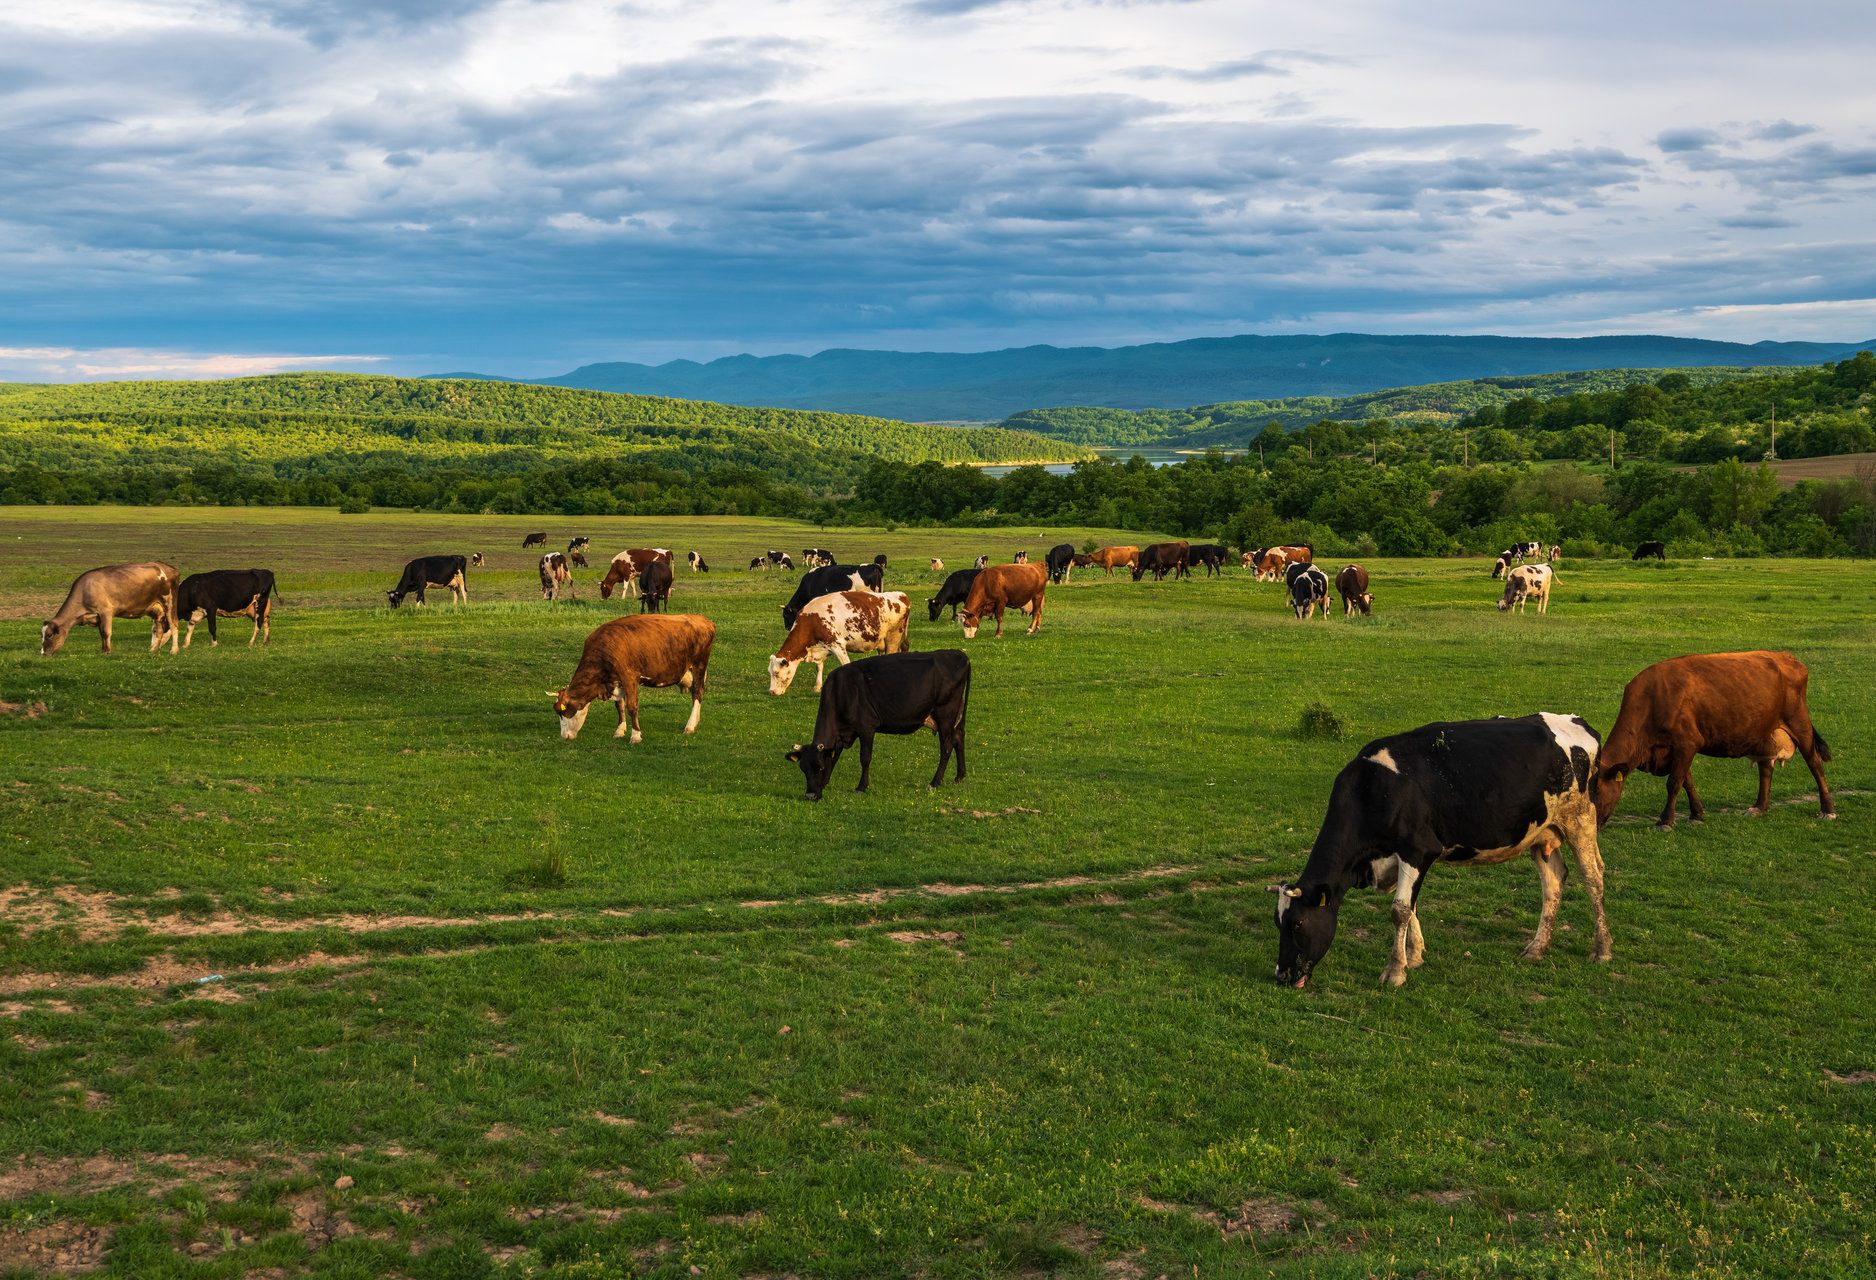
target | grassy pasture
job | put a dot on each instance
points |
(585, 1009)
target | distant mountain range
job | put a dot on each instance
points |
(991, 385)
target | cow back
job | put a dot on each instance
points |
(1005, 585)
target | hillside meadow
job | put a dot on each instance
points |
(330, 958)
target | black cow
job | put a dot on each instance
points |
(1647, 549)
(1309, 589)
(433, 571)
(578, 559)
(955, 591)
(1058, 561)
(827, 579)
(532, 540)
(1162, 558)
(227, 593)
(880, 560)
(893, 693)
(1209, 554)
(654, 586)
(1474, 792)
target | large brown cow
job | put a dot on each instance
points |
(656, 649)
(1005, 586)
(145, 590)
(1712, 704)
(626, 566)
(1162, 558)
(1272, 563)
(1112, 558)
(1352, 585)
(841, 623)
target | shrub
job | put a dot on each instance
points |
(354, 507)
(1319, 720)
(1582, 549)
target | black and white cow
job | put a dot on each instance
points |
(578, 544)
(227, 593)
(1503, 565)
(1021, 557)
(696, 562)
(814, 557)
(1528, 550)
(778, 557)
(757, 562)
(433, 571)
(1471, 792)
(955, 591)
(893, 693)
(983, 562)
(1058, 561)
(880, 560)
(1309, 590)
(827, 579)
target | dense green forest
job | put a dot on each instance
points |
(1681, 414)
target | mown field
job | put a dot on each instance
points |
(330, 957)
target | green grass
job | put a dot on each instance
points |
(456, 952)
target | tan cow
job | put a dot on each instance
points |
(1730, 705)
(840, 623)
(145, 590)
(1005, 586)
(626, 566)
(655, 649)
(1527, 582)
(937, 565)
(1112, 558)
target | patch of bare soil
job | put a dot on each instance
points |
(1853, 1077)
(22, 1178)
(69, 1248)
(1458, 1195)
(161, 971)
(31, 710)
(1260, 1217)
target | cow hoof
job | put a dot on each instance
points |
(1699, 820)
(635, 739)
(1395, 977)
(1829, 817)
(1532, 952)
(1755, 812)
(1664, 826)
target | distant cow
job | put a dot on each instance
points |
(982, 562)
(227, 593)
(1022, 557)
(626, 566)
(1352, 585)
(1112, 558)
(841, 623)
(785, 563)
(432, 571)
(1527, 582)
(816, 583)
(937, 565)
(97, 596)
(1556, 554)
(1309, 591)
(1729, 705)
(554, 575)
(1081, 560)
(894, 693)
(1648, 549)
(814, 557)
(1162, 558)
(579, 544)
(654, 586)
(955, 591)
(1000, 587)
(1209, 554)
(693, 560)
(1503, 565)
(577, 559)
(778, 557)
(658, 650)
(702, 565)
(1270, 564)
(880, 560)
(534, 540)
(757, 562)
(1248, 560)
(475, 561)
(1058, 561)
(1527, 550)
(1473, 793)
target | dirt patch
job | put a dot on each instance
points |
(31, 710)
(992, 813)
(1261, 1217)
(67, 1247)
(1458, 1195)
(21, 1179)
(1854, 1077)
(161, 971)
(14, 1008)
(749, 1219)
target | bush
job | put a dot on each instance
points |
(1411, 534)
(354, 507)
(1319, 720)
(1582, 549)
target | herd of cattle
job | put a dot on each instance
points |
(1475, 792)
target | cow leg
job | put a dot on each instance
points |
(1406, 890)
(1764, 802)
(999, 634)
(256, 610)
(1825, 805)
(104, 631)
(696, 708)
(1551, 872)
(944, 753)
(1035, 617)
(1416, 942)
(214, 639)
(1584, 844)
(866, 761)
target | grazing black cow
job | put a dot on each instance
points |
(1647, 549)
(433, 571)
(893, 693)
(1058, 561)
(578, 544)
(534, 540)
(1309, 590)
(1209, 554)
(1474, 792)
(826, 580)
(955, 591)
(654, 586)
(227, 593)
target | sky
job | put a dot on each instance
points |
(203, 188)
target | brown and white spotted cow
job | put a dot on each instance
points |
(841, 623)
(117, 591)
(1271, 564)
(1112, 558)
(626, 566)
(555, 574)
(1005, 586)
(654, 649)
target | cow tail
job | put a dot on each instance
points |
(1819, 745)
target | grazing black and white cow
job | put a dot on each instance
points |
(955, 591)
(654, 586)
(893, 693)
(1528, 550)
(1209, 554)
(1309, 590)
(828, 579)
(555, 574)
(757, 562)
(227, 593)
(778, 557)
(1556, 553)
(814, 557)
(578, 544)
(1648, 549)
(1502, 565)
(1021, 557)
(983, 562)
(880, 560)
(696, 562)
(1058, 560)
(1471, 792)
(432, 571)
(476, 560)
(534, 540)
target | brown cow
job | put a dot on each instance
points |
(1352, 585)
(554, 575)
(145, 590)
(626, 566)
(1004, 586)
(840, 623)
(657, 649)
(1272, 563)
(1162, 558)
(1712, 704)
(1112, 558)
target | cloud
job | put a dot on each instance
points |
(53, 364)
(1674, 140)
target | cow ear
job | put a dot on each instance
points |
(793, 757)
(554, 694)
(1293, 891)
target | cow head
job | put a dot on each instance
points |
(934, 608)
(395, 597)
(572, 717)
(817, 766)
(1605, 789)
(781, 673)
(1365, 602)
(605, 590)
(1305, 928)
(969, 621)
(52, 637)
